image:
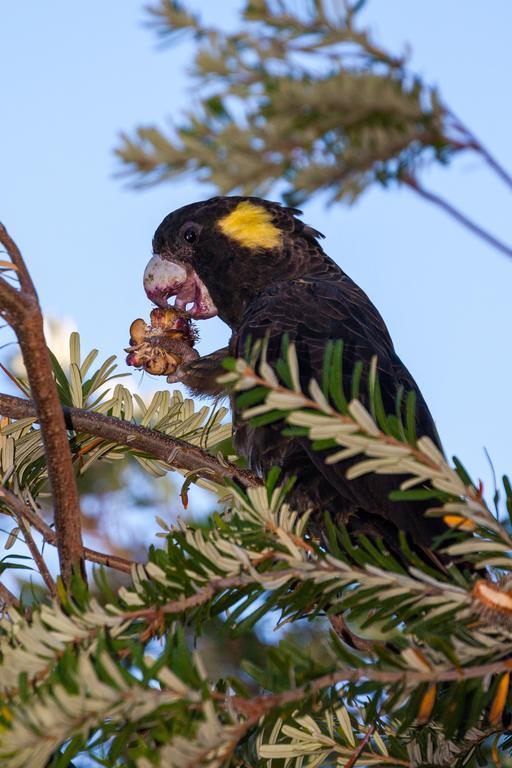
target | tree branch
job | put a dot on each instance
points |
(22, 510)
(116, 562)
(360, 748)
(199, 598)
(23, 313)
(268, 701)
(448, 208)
(7, 597)
(36, 555)
(477, 146)
(12, 303)
(491, 161)
(17, 259)
(170, 450)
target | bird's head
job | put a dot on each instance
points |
(216, 255)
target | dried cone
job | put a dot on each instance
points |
(163, 345)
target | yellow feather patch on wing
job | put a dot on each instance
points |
(500, 699)
(251, 226)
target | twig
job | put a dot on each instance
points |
(340, 627)
(360, 747)
(492, 162)
(270, 701)
(202, 596)
(17, 259)
(14, 380)
(116, 562)
(244, 579)
(457, 215)
(38, 559)
(22, 312)
(170, 450)
(20, 509)
(477, 146)
(7, 597)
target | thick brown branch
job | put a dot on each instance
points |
(170, 450)
(55, 441)
(27, 322)
(448, 208)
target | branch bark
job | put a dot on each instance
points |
(22, 311)
(171, 450)
(360, 748)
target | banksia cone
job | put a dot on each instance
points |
(163, 345)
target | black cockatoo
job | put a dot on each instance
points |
(263, 272)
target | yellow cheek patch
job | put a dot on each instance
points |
(251, 226)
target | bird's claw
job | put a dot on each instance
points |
(178, 377)
(173, 378)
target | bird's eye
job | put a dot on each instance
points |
(190, 235)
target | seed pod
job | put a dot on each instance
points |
(137, 331)
(163, 318)
(161, 363)
(163, 345)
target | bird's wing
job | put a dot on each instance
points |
(312, 312)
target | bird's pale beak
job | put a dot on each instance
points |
(164, 279)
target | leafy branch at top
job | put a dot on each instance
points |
(305, 101)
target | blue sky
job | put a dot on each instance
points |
(73, 75)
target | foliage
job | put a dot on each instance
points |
(301, 99)
(410, 664)
(305, 98)
(116, 678)
(21, 449)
